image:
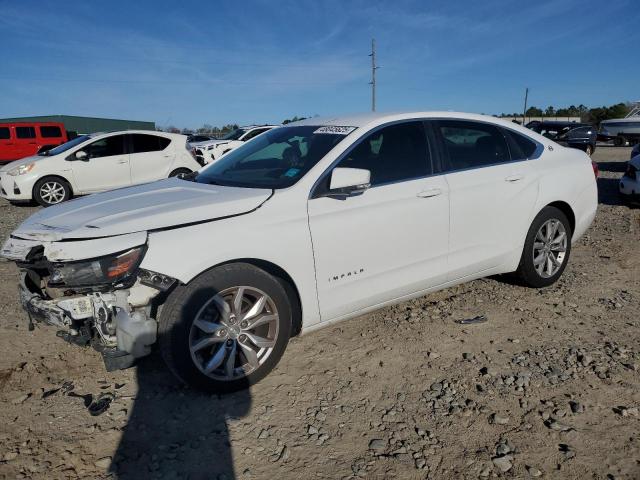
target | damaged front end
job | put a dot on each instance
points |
(108, 302)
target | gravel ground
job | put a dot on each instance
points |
(548, 387)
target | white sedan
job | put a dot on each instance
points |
(309, 224)
(211, 150)
(95, 163)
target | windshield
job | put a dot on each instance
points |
(234, 135)
(66, 146)
(275, 159)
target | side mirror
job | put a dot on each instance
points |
(346, 182)
(81, 155)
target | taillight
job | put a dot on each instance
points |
(631, 172)
(596, 170)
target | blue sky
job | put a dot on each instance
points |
(189, 63)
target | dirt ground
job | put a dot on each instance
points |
(548, 387)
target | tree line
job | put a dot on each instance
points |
(587, 115)
(208, 129)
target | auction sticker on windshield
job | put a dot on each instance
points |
(336, 130)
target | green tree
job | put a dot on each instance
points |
(534, 112)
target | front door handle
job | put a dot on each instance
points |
(514, 178)
(431, 192)
(122, 161)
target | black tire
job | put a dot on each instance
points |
(44, 188)
(186, 301)
(526, 271)
(180, 172)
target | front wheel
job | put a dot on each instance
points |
(180, 172)
(50, 191)
(227, 329)
(546, 249)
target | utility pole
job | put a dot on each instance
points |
(524, 112)
(374, 67)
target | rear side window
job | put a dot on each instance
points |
(392, 154)
(520, 146)
(50, 132)
(5, 134)
(25, 132)
(472, 144)
(141, 143)
(106, 147)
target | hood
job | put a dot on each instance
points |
(166, 203)
(16, 163)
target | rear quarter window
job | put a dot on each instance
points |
(520, 146)
(50, 132)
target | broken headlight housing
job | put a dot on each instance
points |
(114, 268)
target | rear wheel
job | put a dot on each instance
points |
(546, 249)
(227, 329)
(180, 172)
(51, 191)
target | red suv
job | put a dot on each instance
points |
(19, 140)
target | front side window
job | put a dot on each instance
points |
(141, 143)
(254, 133)
(472, 144)
(392, 154)
(277, 159)
(50, 132)
(5, 134)
(25, 132)
(106, 147)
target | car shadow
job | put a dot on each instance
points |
(608, 192)
(177, 432)
(614, 167)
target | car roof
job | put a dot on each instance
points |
(372, 119)
(558, 123)
(145, 132)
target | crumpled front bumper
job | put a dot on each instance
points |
(42, 310)
(135, 331)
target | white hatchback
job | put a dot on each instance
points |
(308, 224)
(96, 163)
(211, 150)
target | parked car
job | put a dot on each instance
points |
(582, 136)
(95, 163)
(195, 138)
(207, 152)
(635, 151)
(23, 139)
(312, 223)
(630, 182)
(623, 131)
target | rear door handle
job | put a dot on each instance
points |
(431, 192)
(514, 178)
(122, 161)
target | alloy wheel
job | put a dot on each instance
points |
(52, 192)
(234, 333)
(549, 248)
